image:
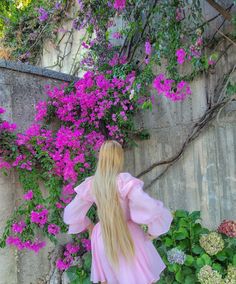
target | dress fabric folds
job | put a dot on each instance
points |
(139, 208)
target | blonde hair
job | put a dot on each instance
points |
(114, 228)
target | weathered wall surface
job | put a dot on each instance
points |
(21, 87)
(204, 178)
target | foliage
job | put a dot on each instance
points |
(119, 69)
(185, 235)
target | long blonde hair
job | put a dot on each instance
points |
(114, 228)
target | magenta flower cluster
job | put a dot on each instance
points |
(53, 229)
(119, 4)
(69, 254)
(169, 88)
(39, 217)
(43, 14)
(195, 51)
(19, 244)
(70, 149)
(18, 227)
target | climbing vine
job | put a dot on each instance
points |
(121, 66)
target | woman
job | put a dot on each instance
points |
(121, 252)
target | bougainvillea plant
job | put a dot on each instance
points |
(121, 65)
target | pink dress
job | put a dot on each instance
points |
(139, 208)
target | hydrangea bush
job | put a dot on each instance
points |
(193, 254)
(60, 147)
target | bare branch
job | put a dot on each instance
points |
(220, 9)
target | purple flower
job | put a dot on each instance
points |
(43, 14)
(148, 48)
(41, 109)
(176, 256)
(18, 227)
(53, 229)
(6, 126)
(117, 35)
(87, 244)
(180, 53)
(28, 195)
(119, 4)
(64, 264)
(39, 217)
(72, 248)
(2, 110)
(211, 62)
(58, 5)
(178, 14)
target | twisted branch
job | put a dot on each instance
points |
(209, 115)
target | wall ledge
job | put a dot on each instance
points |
(43, 72)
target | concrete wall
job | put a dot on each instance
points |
(21, 87)
(204, 178)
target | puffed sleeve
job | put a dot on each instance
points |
(147, 210)
(75, 212)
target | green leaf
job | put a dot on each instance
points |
(179, 276)
(168, 242)
(221, 256)
(189, 260)
(181, 234)
(197, 249)
(190, 279)
(234, 260)
(218, 267)
(181, 213)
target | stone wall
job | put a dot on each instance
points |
(21, 87)
(204, 178)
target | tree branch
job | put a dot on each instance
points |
(220, 9)
(204, 120)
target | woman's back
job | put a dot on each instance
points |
(139, 208)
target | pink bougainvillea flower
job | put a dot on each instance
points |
(68, 189)
(4, 164)
(170, 89)
(58, 6)
(115, 60)
(15, 241)
(179, 14)
(87, 244)
(35, 246)
(41, 111)
(72, 248)
(43, 14)
(147, 60)
(199, 41)
(117, 35)
(148, 47)
(181, 54)
(211, 62)
(28, 195)
(18, 227)
(119, 4)
(64, 264)
(7, 126)
(39, 218)
(53, 229)
(59, 205)
(2, 110)
(195, 52)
